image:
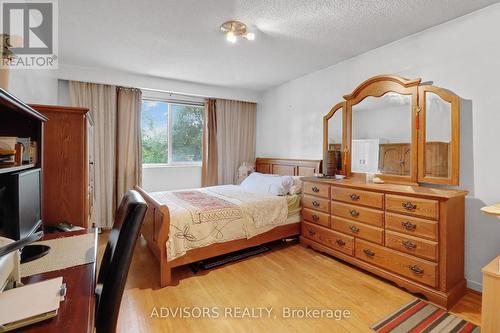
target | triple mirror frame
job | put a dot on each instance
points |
(426, 161)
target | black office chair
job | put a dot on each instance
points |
(116, 261)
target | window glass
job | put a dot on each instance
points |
(154, 125)
(176, 142)
(187, 128)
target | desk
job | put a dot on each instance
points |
(76, 312)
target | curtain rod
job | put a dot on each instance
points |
(174, 101)
(196, 96)
(174, 93)
(127, 88)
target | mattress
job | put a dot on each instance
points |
(201, 217)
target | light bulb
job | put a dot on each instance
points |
(230, 37)
(250, 36)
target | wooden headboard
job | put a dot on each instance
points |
(286, 167)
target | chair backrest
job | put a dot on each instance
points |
(116, 260)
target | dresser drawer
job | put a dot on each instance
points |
(314, 216)
(412, 206)
(365, 198)
(413, 268)
(330, 238)
(360, 230)
(416, 246)
(316, 203)
(412, 225)
(320, 190)
(357, 213)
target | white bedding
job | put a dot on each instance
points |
(217, 214)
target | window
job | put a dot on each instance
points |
(171, 132)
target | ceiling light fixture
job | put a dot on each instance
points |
(235, 29)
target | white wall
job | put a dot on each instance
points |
(463, 56)
(171, 178)
(34, 86)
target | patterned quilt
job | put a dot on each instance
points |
(217, 214)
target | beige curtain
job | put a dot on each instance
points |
(128, 141)
(101, 101)
(236, 123)
(209, 159)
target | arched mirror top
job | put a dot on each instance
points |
(398, 129)
(380, 85)
(339, 106)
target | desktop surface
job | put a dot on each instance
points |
(76, 312)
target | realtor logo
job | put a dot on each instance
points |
(29, 34)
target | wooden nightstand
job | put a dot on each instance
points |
(491, 286)
(491, 299)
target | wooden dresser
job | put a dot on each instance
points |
(411, 235)
(68, 165)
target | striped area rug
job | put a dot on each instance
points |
(421, 317)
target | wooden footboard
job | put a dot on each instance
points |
(155, 230)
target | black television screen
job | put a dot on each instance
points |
(20, 204)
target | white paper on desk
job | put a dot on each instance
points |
(30, 300)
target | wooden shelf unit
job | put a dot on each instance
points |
(67, 156)
(17, 119)
(15, 168)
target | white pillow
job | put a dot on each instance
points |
(296, 187)
(271, 184)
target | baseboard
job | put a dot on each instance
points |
(476, 286)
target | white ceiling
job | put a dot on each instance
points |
(181, 39)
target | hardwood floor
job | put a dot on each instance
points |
(289, 276)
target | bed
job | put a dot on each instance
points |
(157, 226)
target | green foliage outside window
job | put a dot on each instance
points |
(155, 147)
(187, 129)
(186, 136)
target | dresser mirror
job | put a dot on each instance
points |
(333, 135)
(398, 129)
(381, 135)
(439, 154)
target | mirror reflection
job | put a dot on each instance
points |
(335, 137)
(437, 136)
(381, 135)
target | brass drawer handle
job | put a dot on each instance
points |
(354, 197)
(409, 245)
(369, 252)
(315, 189)
(408, 225)
(409, 206)
(417, 270)
(315, 203)
(315, 217)
(340, 242)
(311, 232)
(354, 213)
(354, 229)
